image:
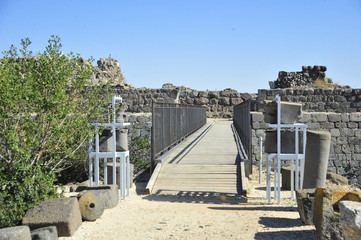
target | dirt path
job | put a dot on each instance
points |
(191, 217)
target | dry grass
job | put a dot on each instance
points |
(323, 83)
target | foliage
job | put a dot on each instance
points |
(46, 106)
(139, 150)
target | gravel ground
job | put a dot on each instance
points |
(198, 217)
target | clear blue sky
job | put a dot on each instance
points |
(202, 44)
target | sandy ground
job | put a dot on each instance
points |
(143, 216)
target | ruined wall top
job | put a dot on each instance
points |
(108, 69)
(307, 77)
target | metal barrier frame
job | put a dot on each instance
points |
(171, 123)
(242, 123)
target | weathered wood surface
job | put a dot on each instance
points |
(206, 162)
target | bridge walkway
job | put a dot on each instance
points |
(206, 162)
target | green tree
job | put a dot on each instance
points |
(46, 105)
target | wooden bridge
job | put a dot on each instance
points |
(206, 162)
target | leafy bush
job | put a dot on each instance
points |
(139, 150)
(46, 106)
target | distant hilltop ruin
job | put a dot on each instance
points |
(310, 76)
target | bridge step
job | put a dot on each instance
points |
(197, 178)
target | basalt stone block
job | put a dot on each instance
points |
(108, 194)
(91, 206)
(46, 233)
(63, 213)
(287, 142)
(290, 112)
(350, 219)
(15, 233)
(326, 212)
(305, 202)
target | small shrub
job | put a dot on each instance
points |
(139, 150)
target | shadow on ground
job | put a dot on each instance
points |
(285, 235)
(197, 197)
(275, 222)
(260, 208)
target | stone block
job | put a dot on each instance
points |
(319, 117)
(327, 125)
(287, 142)
(46, 233)
(345, 117)
(236, 101)
(352, 125)
(313, 126)
(326, 212)
(108, 194)
(290, 112)
(346, 132)
(15, 233)
(335, 132)
(257, 117)
(305, 117)
(340, 125)
(286, 178)
(350, 219)
(334, 117)
(355, 117)
(305, 201)
(63, 213)
(90, 205)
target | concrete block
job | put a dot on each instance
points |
(290, 112)
(287, 142)
(90, 205)
(350, 219)
(305, 201)
(15, 233)
(63, 213)
(46, 233)
(316, 158)
(108, 194)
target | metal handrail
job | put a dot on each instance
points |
(171, 123)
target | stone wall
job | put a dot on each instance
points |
(219, 104)
(338, 100)
(307, 76)
(337, 111)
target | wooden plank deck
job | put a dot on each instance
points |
(204, 163)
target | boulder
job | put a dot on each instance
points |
(46, 233)
(290, 112)
(91, 206)
(15, 233)
(336, 178)
(350, 219)
(63, 213)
